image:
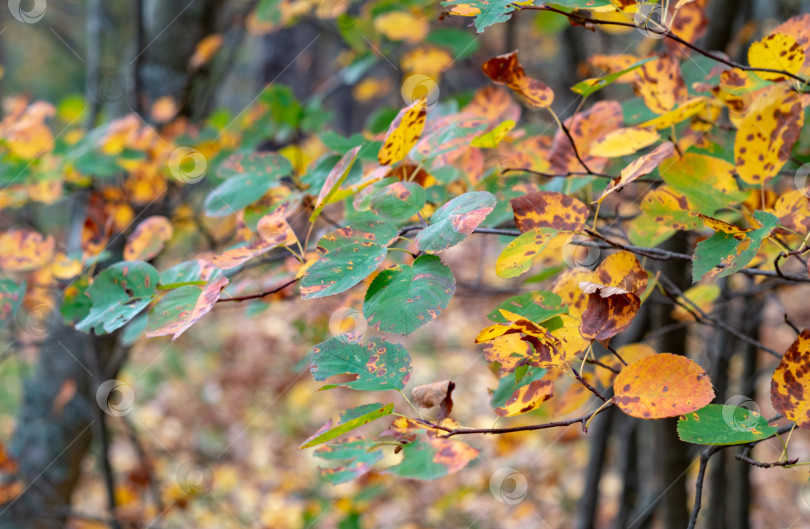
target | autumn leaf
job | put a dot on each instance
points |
(11, 297)
(434, 400)
(585, 127)
(148, 239)
(404, 132)
(641, 166)
(519, 393)
(333, 181)
(622, 142)
(717, 424)
(790, 385)
(776, 51)
(355, 457)
(247, 178)
(660, 386)
(660, 85)
(22, 250)
(506, 70)
(547, 209)
(182, 307)
(348, 421)
(429, 458)
(610, 310)
(767, 134)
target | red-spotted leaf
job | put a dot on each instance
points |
(378, 365)
(662, 385)
(790, 385)
(347, 256)
(403, 298)
(348, 421)
(455, 220)
(148, 239)
(119, 293)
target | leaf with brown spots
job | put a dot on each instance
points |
(664, 211)
(662, 385)
(455, 220)
(707, 182)
(22, 250)
(767, 134)
(660, 85)
(682, 112)
(689, 23)
(566, 285)
(272, 231)
(790, 385)
(547, 349)
(519, 393)
(404, 132)
(506, 70)
(798, 27)
(378, 365)
(622, 270)
(148, 239)
(516, 259)
(610, 310)
(547, 209)
(793, 210)
(641, 166)
(585, 128)
(776, 51)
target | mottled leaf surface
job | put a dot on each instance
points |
(119, 293)
(354, 457)
(429, 458)
(403, 298)
(790, 385)
(248, 178)
(455, 220)
(717, 424)
(379, 365)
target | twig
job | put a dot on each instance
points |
(261, 294)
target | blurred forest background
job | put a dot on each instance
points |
(210, 436)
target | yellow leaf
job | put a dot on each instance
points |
(777, 51)
(426, 60)
(622, 142)
(491, 139)
(403, 133)
(660, 85)
(401, 25)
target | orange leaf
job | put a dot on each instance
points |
(22, 250)
(662, 385)
(506, 70)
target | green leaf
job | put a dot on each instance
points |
(248, 178)
(490, 11)
(357, 455)
(433, 458)
(717, 424)
(182, 307)
(460, 42)
(11, 297)
(534, 306)
(349, 420)
(455, 220)
(399, 201)
(379, 365)
(403, 298)
(589, 86)
(119, 293)
(76, 304)
(725, 248)
(348, 255)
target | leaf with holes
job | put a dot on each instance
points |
(455, 220)
(347, 256)
(348, 421)
(790, 385)
(717, 424)
(660, 386)
(148, 239)
(119, 293)
(379, 365)
(403, 298)
(355, 456)
(429, 458)
(248, 178)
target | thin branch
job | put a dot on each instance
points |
(588, 386)
(450, 432)
(261, 294)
